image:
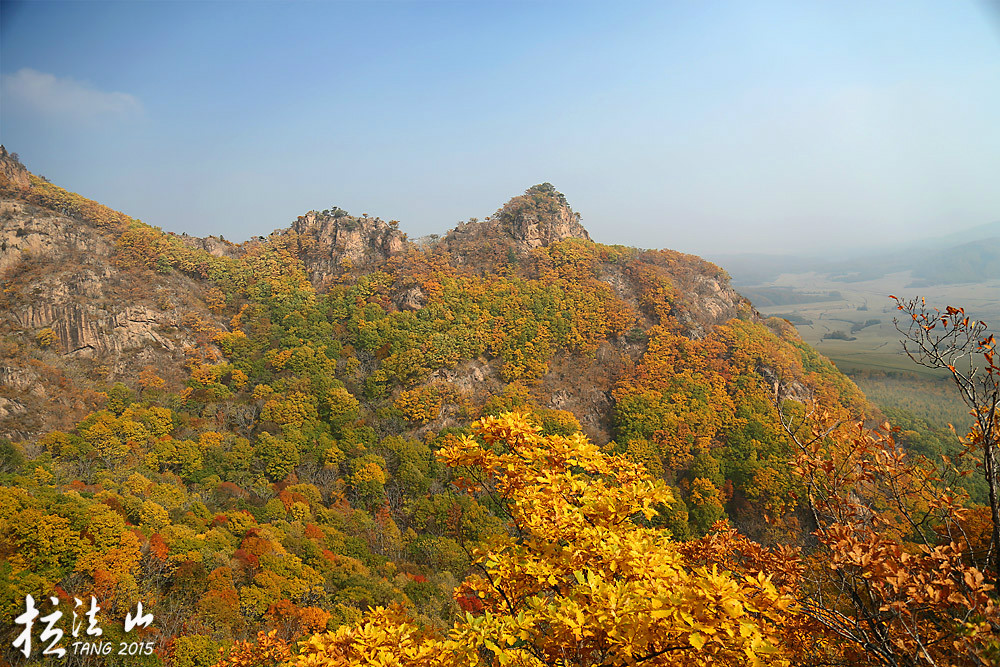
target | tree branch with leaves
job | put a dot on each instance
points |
(963, 346)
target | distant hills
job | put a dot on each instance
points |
(968, 256)
(841, 304)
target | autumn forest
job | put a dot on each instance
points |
(507, 445)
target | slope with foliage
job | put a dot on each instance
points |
(302, 453)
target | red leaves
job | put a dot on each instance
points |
(468, 601)
(267, 650)
(247, 560)
(232, 490)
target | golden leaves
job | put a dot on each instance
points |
(579, 580)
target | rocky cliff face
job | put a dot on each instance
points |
(72, 323)
(330, 242)
(538, 218)
(213, 245)
(12, 172)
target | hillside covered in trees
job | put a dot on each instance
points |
(506, 445)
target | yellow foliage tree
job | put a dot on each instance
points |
(578, 580)
(46, 337)
(421, 405)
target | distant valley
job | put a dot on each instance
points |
(842, 306)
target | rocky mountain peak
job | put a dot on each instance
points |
(540, 217)
(13, 174)
(328, 241)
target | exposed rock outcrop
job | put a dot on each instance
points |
(329, 242)
(28, 232)
(72, 322)
(709, 302)
(412, 298)
(12, 173)
(213, 245)
(538, 218)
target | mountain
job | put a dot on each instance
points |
(246, 433)
(969, 262)
(82, 313)
(990, 230)
(968, 256)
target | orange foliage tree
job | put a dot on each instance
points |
(891, 573)
(952, 340)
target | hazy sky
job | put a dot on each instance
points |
(703, 126)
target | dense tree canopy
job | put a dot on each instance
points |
(388, 470)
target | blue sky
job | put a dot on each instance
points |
(708, 127)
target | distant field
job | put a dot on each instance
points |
(850, 361)
(865, 349)
(876, 345)
(936, 400)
